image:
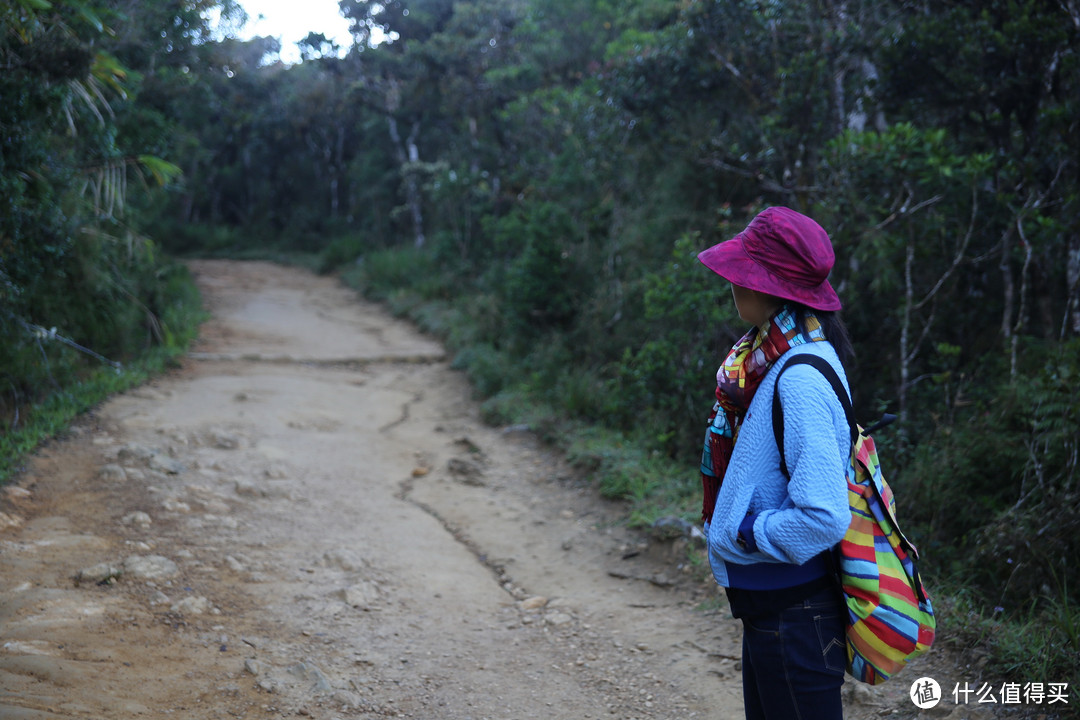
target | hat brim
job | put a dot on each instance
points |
(730, 261)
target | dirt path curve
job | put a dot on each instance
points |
(309, 518)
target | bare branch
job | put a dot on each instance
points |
(904, 211)
(766, 184)
(960, 252)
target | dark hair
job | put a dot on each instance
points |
(832, 326)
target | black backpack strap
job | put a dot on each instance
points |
(825, 369)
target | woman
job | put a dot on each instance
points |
(770, 537)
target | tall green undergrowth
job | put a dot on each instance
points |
(74, 379)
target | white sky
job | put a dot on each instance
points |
(292, 20)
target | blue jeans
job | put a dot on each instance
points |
(794, 660)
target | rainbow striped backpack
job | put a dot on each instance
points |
(890, 618)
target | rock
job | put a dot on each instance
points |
(17, 495)
(174, 505)
(469, 473)
(150, 567)
(134, 452)
(347, 700)
(225, 441)
(9, 521)
(670, 527)
(246, 488)
(469, 445)
(192, 605)
(362, 595)
(278, 491)
(252, 666)
(137, 518)
(458, 466)
(102, 572)
(112, 473)
(345, 560)
(166, 464)
(234, 564)
(311, 674)
(268, 685)
(276, 472)
(533, 603)
(228, 522)
(557, 618)
(159, 598)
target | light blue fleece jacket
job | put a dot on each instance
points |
(792, 521)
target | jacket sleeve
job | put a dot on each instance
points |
(817, 447)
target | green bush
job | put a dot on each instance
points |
(993, 495)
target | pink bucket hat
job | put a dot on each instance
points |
(782, 253)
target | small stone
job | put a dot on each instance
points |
(312, 674)
(192, 606)
(557, 618)
(137, 518)
(99, 573)
(159, 598)
(246, 488)
(234, 564)
(17, 495)
(177, 506)
(10, 521)
(347, 700)
(345, 560)
(167, 465)
(134, 452)
(252, 666)
(468, 473)
(225, 441)
(533, 603)
(362, 595)
(276, 472)
(150, 567)
(112, 473)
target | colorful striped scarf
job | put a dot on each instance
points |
(736, 382)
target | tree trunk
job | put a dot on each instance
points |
(1021, 313)
(408, 154)
(335, 171)
(1008, 287)
(905, 330)
(1071, 321)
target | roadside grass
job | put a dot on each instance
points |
(53, 413)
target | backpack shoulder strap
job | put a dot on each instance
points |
(822, 365)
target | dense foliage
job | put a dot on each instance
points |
(533, 180)
(87, 303)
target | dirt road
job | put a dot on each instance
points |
(310, 519)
